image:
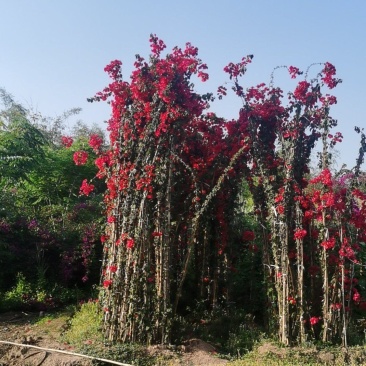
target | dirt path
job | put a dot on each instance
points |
(20, 327)
(31, 329)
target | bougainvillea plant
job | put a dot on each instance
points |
(166, 162)
(311, 243)
(173, 172)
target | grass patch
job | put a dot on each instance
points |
(85, 327)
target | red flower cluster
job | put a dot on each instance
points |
(294, 71)
(325, 177)
(111, 219)
(107, 283)
(67, 141)
(302, 93)
(314, 320)
(114, 69)
(86, 188)
(95, 142)
(292, 300)
(300, 234)
(328, 244)
(328, 76)
(130, 243)
(80, 157)
(112, 268)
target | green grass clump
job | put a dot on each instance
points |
(85, 327)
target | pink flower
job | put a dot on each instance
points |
(80, 157)
(67, 141)
(107, 283)
(294, 71)
(130, 243)
(328, 244)
(300, 234)
(111, 219)
(112, 268)
(301, 91)
(86, 188)
(356, 297)
(95, 142)
(329, 72)
(314, 320)
(336, 306)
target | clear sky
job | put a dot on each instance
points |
(52, 53)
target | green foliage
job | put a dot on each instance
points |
(228, 328)
(14, 299)
(36, 295)
(85, 325)
(85, 333)
(47, 230)
(243, 339)
(269, 354)
(130, 353)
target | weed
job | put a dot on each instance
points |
(85, 325)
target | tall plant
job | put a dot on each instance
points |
(168, 202)
(310, 243)
(166, 162)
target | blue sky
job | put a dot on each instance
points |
(52, 53)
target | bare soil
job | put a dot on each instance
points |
(25, 329)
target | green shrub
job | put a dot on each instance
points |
(85, 325)
(243, 340)
(130, 353)
(17, 296)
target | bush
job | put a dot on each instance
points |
(243, 340)
(15, 298)
(85, 326)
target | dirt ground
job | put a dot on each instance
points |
(23, 328)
